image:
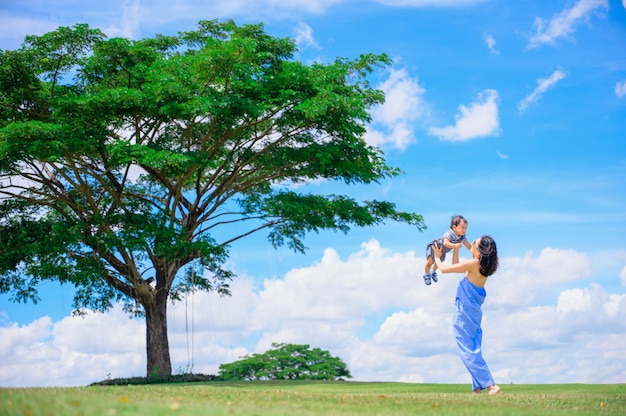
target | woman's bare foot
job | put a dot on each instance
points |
(493, 389)
(477, 390)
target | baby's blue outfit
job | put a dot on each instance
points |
(468, 333)
(453, 238)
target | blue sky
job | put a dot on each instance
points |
(512, 114)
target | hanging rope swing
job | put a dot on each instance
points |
(190, 346)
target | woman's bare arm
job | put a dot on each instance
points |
(456, 267)
(461, 267)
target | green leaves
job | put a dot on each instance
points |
(286, 362)
(138, 158)
(302, 213)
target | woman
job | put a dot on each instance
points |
(468, 314)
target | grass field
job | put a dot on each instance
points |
(314, 398)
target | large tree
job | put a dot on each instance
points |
(125, 163)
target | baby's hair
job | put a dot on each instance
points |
(456, 220)
(488, 255)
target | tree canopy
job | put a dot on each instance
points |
(129, 167)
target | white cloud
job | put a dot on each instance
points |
(73, 351)
(502, 155)
(480, 119)
(543, 85)
(404, 104)
(622, 276)
(543, 323)
(304, 36)
(572, 340)
(620, 88)
(529, 279)
(130, 21)
(491, 43)
(573, 300)
(614, 305)
(336, 288)
(562, 24)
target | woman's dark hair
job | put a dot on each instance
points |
(488, 255)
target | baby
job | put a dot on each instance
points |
(453, 238)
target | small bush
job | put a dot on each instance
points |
(178, 378)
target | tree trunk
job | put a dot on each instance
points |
(157, 344)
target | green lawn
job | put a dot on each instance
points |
(314, 398)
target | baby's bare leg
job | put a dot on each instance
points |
(429, 264)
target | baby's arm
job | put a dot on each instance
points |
(447, 243)
(467, 244)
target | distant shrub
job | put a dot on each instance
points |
(286, 362)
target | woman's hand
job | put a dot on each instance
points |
(436, 250)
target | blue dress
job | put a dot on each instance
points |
(468, 333)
